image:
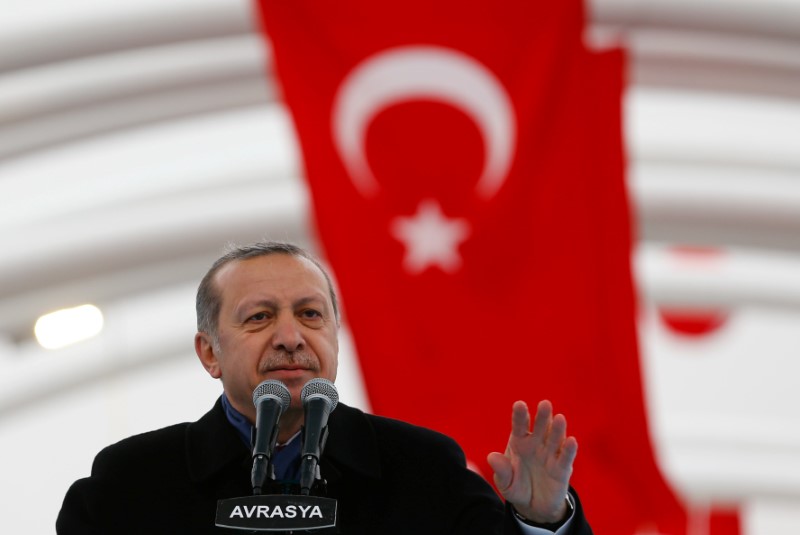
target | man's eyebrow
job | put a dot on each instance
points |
(311, 299)
(247, 305)
(261, 302)
(255, 303)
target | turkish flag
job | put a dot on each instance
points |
(466, 168)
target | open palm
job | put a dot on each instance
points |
(533, 474)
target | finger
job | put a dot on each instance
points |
(557, 434)
(568, 453)
(541, 424)
(503, 471)
(520, 419)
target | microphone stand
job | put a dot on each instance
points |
(263, 469)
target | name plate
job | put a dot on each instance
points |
(276, 512)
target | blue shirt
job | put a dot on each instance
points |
(285, 458)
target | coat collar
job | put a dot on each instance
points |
(212, 445)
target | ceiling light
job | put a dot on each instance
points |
(68, 326)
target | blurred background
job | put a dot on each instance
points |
(137, 139)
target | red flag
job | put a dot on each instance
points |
(466, 169)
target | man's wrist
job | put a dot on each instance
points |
(551, 526)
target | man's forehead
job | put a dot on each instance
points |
(275, 271)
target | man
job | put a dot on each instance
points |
(268, 311)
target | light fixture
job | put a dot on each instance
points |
(68, 326)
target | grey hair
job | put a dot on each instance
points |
(209, 300)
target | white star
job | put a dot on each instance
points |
(431, 238)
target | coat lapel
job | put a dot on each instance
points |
(352, 445)
(212, 445)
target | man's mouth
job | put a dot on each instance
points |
(288, 370)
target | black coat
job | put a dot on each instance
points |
(389, 477)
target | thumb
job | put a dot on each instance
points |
(502, 470)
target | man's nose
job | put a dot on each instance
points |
(287, 336)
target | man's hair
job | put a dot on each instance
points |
(208, 295)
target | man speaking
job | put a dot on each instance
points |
(268, 312)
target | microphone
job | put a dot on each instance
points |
(319, 398)
(271, 399)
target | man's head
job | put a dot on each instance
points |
(266, 311)
(208, 297)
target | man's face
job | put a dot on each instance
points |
(276, 321)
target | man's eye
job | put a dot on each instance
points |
(311, 313)
(259, 316)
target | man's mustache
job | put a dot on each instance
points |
(295, 359)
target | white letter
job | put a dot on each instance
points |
(291, 511)
(237, 511)
(277, 511)
(317, 511)
(303, 509)
(249, 512)
(263, 510)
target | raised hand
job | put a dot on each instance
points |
(533, 474)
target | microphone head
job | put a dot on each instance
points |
(274, 389)
(320, 388)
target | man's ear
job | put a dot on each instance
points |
(204, 347)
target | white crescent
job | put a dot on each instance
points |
(436, 73)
